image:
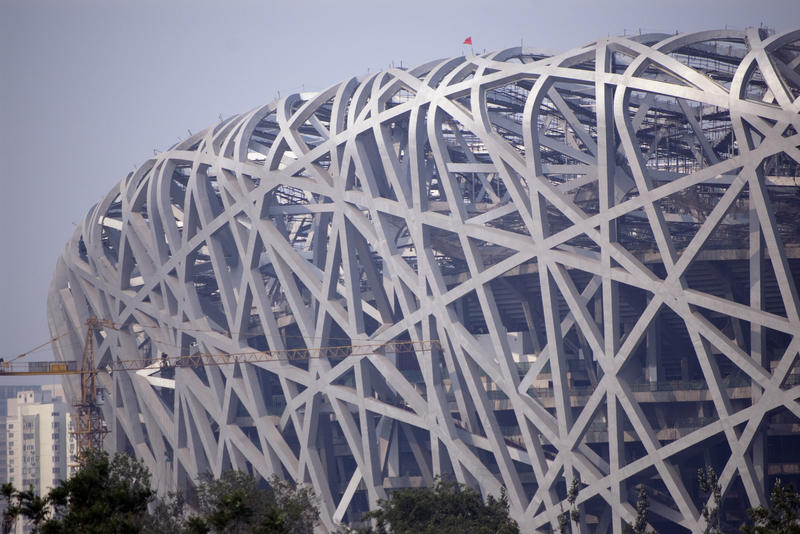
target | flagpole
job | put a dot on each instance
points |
(468, 41)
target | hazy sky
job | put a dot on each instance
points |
(88, 89)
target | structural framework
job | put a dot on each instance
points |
(605, 243)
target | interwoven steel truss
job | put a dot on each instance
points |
(604, 242)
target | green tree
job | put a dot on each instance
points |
(296, 506)
(572, 497)
(26, 504)
(563, 522)
(642, 507)
(111, 495)
(573, 513)
(232, 503)
(105, 495)
(235, 504)
(446, 507)
(166, 516)
(782, 516)
(640, 521)
(11, 508)
(710, 488)
(33, 507)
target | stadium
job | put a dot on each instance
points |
(512, 269)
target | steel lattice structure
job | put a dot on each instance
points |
(605, 242)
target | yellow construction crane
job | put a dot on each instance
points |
(90, 430)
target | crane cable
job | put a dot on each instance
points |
(37, 347)
(119, 327)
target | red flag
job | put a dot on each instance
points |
(468, 40)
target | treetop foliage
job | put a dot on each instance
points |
(445, 507)
(234, 503)
(105, 495)
(782, 516)
(111, 495)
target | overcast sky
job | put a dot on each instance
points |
(88, 89)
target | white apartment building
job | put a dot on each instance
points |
(8, 391)
(40, 449)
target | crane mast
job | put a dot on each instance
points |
(89, 428)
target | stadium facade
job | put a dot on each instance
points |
(594, 256)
